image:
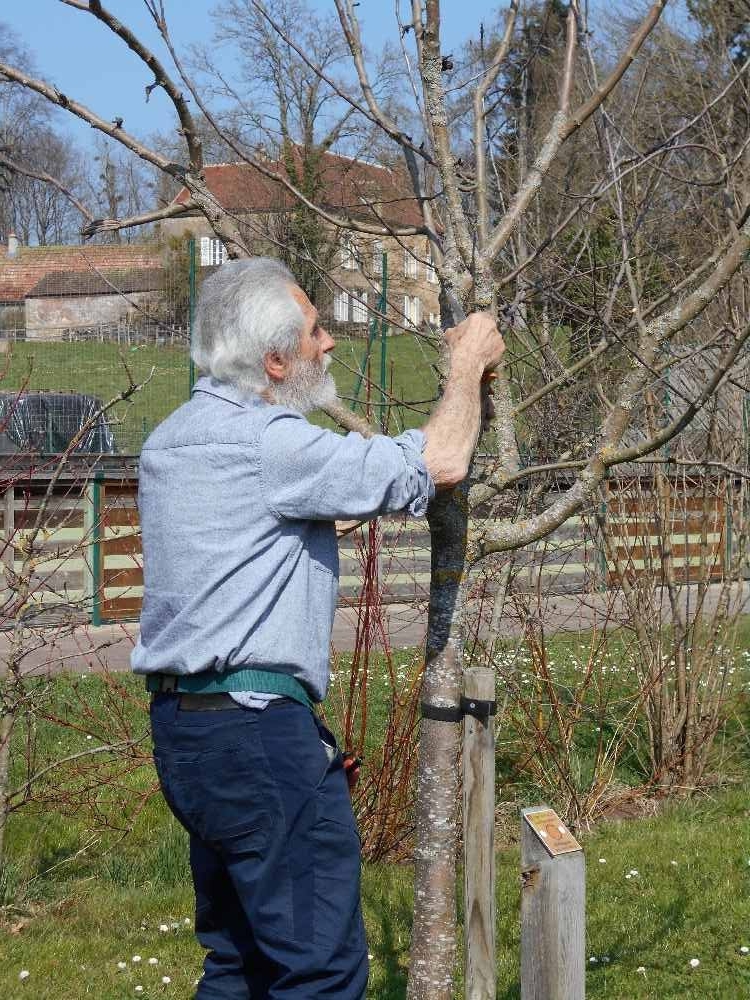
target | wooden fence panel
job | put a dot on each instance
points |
(120, 555)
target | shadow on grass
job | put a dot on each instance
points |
(387, 896)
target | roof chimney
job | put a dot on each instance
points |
(13, 245)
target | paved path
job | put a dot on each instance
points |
(85, 649)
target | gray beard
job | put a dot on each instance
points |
(309, 386)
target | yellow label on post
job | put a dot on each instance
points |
(552, 832)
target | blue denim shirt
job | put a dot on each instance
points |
(237, 501)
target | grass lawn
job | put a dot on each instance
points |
(642, 931)
(102, 370)
(78, 903)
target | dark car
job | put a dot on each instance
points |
(46, 423)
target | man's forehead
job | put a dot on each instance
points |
(309, 312)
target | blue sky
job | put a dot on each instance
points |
(81, 58)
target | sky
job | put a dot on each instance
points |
(76, 53)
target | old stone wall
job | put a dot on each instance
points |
(50, 318)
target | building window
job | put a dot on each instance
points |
(350, 307)
(429, 270)
(349, 255)
(341, 307)
(377, 257)
(213, 251)
(411, 267)
(434, 319)
(412, 310)
(358, 301)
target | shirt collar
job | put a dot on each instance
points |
(223, 390)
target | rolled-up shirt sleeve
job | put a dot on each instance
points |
(309, 472)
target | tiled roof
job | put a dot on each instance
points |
(21, 273)
(363, 190)
(102, 282)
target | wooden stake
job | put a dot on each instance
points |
(479, 836)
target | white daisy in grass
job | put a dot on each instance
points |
(166, 980)
(694, 963)
(163, 928)
(744, 949)
(24, 974)
(153, 961)
(136, 959)
(122, 965)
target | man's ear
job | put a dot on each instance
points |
(276, 366)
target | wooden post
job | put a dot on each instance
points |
(9, 531)
(479, 834)
(553, 896)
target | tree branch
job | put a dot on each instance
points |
(480, 116)
(114, 225)
(161, 76)
(54, 96)
(562, 127)
(373, 112)
(431, 67)
(658, 332)
(341, 222)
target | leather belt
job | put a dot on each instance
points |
(217, 702)
(207, 702)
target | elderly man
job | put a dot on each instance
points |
(239, 495)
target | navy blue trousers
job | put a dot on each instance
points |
(274, 850)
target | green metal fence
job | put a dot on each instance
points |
(94, 332)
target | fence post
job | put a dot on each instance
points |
(478, 704)
(382, 306)
(96, 550)
(553, 898)
(9, 530)
(191, 314)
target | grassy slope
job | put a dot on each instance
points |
(102, 370)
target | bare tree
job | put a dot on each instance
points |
(572, 256)
(39, 169)
(41, 202)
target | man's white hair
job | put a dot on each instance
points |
(246, 310)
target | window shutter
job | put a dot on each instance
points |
(205, 251)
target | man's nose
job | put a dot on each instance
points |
(327, 343)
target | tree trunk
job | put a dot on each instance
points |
(433, 942)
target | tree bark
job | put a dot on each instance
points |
(433, 943)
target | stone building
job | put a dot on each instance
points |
(353, 268)
(55, 292)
